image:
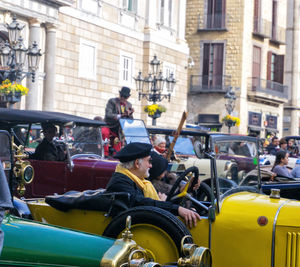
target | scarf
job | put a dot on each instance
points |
(145, 185)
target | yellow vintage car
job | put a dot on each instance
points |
(242, 226)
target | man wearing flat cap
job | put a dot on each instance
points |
(116, 108)
(129, 177)
(47, 149)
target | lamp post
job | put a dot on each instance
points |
(17, 61)
(151, 87)
(230, 99)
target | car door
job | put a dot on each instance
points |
(49, 178)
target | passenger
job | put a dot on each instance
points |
(283, 144)
(160, 145)
(130, 177)
(273, 147)
(47, 149)
(282, 159)
(116, 108)
(5, 200)
(157, 175)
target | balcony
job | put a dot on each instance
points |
(209, 84)
(212, 22)
(262, 28)
(278, 35)
(260, 87)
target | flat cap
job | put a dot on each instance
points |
(132, 151)
(47, 126)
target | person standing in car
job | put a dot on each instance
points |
(116, 108)
(5, 201)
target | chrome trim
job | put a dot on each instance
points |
(273, 232)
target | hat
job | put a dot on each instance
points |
(47, 126)
(132, 151)
(158, 140)
(125, 92)
(159, 165)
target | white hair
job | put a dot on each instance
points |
(129, 164)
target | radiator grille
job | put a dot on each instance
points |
(292, 249)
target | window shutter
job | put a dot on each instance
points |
(218, 64)
(279, 68)
(269, 59)
(205, 68)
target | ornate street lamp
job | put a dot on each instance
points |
(151, 87)
(14, 56)
(230, 99)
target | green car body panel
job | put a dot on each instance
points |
(60, 246)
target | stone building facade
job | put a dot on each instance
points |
(291, 119)
(239, 44)
(93, 48)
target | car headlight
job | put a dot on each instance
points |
(28, 174)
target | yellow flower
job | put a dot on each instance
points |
(235, 119)
(7, 87)
(151, 109)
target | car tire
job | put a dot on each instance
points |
(156, 230)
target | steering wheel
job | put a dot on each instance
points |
(190, 175)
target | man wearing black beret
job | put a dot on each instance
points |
(129, 177)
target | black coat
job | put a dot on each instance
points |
(121, 183)
(49, 151)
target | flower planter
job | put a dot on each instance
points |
(10, 98)
(156, 115)
(229, 123)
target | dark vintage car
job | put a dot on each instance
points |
(30, 243)
(85, 166)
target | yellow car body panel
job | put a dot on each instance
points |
(237, 238)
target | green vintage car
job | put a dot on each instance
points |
(30, 243)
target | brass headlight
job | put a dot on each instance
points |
(28, 174)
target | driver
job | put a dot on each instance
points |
(47, 149)
(130, 177)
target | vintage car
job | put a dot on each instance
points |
(85, 166)
(241, 225)
(30, 243)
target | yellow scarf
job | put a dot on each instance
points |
(146, 186)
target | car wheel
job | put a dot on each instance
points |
(156, 230)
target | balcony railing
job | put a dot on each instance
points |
(268, 87)
(209, 84)
(278, 34)
(212, 22)
(262, 27)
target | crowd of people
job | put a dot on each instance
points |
(282, 149)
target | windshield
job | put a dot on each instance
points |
(183, 145)
(83, 140)
(236, 164)
(134, 131)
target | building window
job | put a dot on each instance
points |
(90, 6)
(168, 69)
(275, 67)
(126, 70)
(87, 59)
(130, 5)
(215, 14)
(256, 65)
(166, 12)
(212, 72)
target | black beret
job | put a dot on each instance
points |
(159, 165)
(132, 151)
